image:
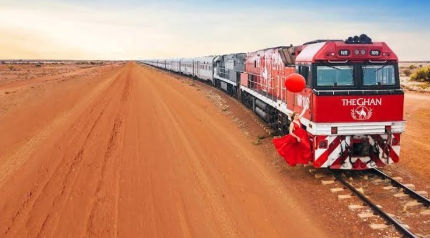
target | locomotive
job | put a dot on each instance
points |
(353, 101)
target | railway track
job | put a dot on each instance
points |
(398, 222)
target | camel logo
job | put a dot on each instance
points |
(361, 113)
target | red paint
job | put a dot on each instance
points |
(337, 109)
(331, 51)
(267, 71)
(244, 79)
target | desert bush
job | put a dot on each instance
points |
(407, 72)
(11, 67)
(38, 65)
(412, 66)
(422, 74)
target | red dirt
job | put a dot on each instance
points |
(415, 152)
(132, 152)
(415, 145)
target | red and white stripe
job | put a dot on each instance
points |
(330, 157)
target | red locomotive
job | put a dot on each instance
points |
(355, 102)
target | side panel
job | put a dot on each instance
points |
(267, 72)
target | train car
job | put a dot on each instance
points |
(227, 71)
(187, 66)
(169, 64)
(161, 64)
(176, 65)
(353, 93)
(204, 68)
(154, 63)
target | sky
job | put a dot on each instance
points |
(144, 29)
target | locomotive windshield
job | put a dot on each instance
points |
(378, 75)
(335, 75)
(352, 76)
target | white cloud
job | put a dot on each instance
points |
(53, 30)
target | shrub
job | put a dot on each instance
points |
(407, 72)
(422, 74)
(11, 67)
(412, 66)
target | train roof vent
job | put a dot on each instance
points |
(362, 39)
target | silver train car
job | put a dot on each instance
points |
(204, 68)
(186, 65)
(227, 71)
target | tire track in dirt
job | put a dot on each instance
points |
(195, 171)
(113, 118)
(31, 199)
(16, 158)
(226, 224)
(93, 225)
(69, 167)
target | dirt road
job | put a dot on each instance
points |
(133, 152)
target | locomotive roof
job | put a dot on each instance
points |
(318, 41)
(343, 51)
(276, 47)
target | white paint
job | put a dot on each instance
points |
(362, 102)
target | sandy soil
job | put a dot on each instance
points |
(24, 72)
(333, 214)
(415, 145)
(129, 152)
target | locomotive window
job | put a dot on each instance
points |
(335, 76)
(304, 71)
(378, 75)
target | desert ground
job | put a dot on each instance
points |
(126, 150)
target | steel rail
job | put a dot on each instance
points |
(410, 192)
(398, 225)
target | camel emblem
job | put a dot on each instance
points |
(361, 113)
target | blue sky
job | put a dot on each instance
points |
(133, 29)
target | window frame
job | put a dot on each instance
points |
(308, 76)
(357, 76)
(384, 85)
(354, 81)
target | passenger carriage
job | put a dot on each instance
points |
(186, 66)
(204, 68)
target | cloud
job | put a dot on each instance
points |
(159, 30)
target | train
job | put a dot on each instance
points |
(353, 101)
